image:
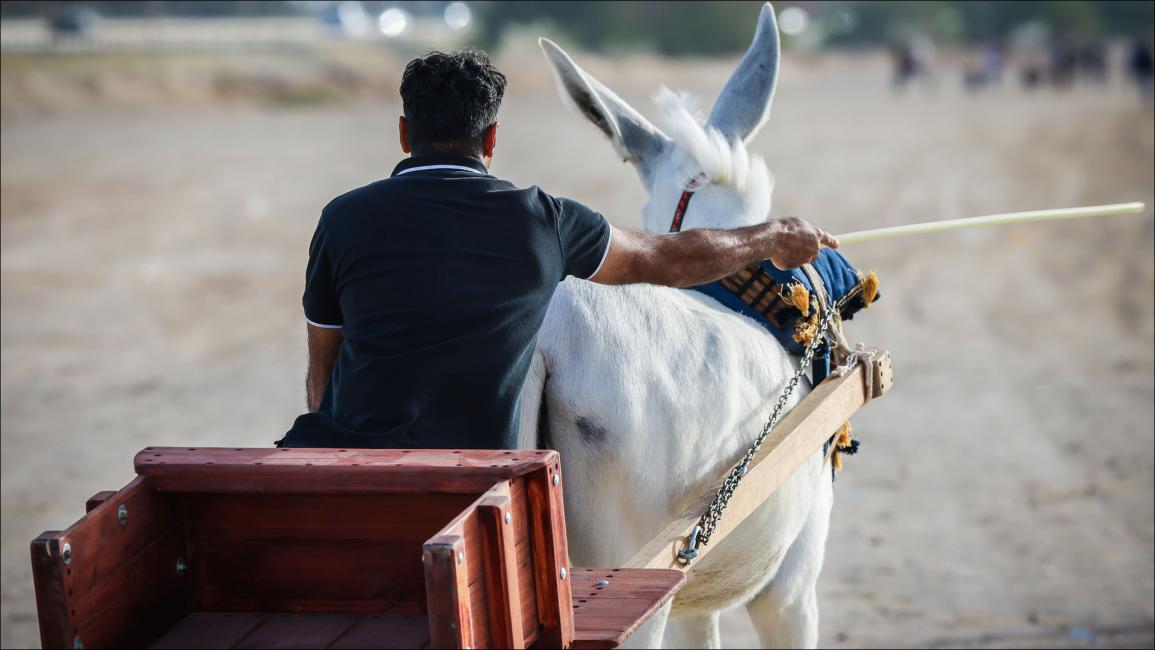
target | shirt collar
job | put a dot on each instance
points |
(441, 163)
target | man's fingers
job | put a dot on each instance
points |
(828, 240)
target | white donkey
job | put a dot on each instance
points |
(651, 393)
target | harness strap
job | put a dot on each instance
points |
(683, 203)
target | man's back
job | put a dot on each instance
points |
(439, 278)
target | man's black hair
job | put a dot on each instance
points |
(450, 100)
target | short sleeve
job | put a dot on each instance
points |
(584, 236)
(320, 300)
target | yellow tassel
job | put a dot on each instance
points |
(841, 439)
(805, 331)
(869, 288)
(800, 298)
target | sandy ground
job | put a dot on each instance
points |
(153, 260)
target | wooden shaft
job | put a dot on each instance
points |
(796, 438)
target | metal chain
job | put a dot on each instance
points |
(709, 521)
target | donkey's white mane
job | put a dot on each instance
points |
(705, 150)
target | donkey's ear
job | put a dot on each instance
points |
(744, 103)
(634, 138)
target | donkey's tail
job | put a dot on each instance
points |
(532, 432)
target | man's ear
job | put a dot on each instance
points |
(403, 127)
(490, 141)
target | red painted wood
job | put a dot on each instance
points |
(209, 630)
(550, 556)
(385, 632)
(97, 499)
(500, 565)
(301, 471)
(48, 579)
(523, 549)
(604, 616)
(448, 593)
(293, 631)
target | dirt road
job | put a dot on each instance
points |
(152, 263)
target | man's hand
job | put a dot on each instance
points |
(699, 256)
(797, 242)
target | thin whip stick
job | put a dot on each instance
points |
(949, 225)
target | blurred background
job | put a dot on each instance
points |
(164, 164)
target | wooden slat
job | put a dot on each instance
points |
(447, 592)
(209, 630)
(605, 615)
(333, 471)
(138, 601)
(298, 631)
(524, 551)
(550, 556)
(506, 629)
(385, 632)
(97, 499)
(48, 579)
(306, 575)
(800, 433)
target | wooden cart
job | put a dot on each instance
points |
(326, 548)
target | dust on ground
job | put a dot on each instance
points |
(152, 263)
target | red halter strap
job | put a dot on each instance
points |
(691, 186)
(676, 225)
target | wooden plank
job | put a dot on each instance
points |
(333, 471)
(48, 580)
(298, 631)
(800, 433)
(137, 602)
(605, 615)
(306, 575)
(209, 630)
(447, 592)
(97, 499)
(550, 556)
(385, 632)
(524, 551)
(506, 629)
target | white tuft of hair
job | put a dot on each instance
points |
(705, 151)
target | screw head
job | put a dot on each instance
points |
(601, 583)
(78, 643)
(66, 555)
(181, 566)
(122, 515)
(508, 518)
(460, 557)
(556, 480)
(563, 573)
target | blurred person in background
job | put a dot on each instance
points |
(1140, 66)
(425, 291)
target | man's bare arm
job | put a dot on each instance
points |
(324, 343)
(699, 256)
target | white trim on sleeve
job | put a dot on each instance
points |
(606, 253)
(322, 325)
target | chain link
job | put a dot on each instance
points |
(709, 521)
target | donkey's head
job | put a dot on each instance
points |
(732, 188)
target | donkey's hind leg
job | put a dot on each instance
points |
(785, 612)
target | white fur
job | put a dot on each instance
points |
(651, 393)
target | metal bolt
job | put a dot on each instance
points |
(563, 573)
(601, 583)
(181, 566)
(122, 515)
(66, 554)
(460, 557)
(556, 480)
(508, 518)
(78, 644)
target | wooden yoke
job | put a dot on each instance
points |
(794, 440)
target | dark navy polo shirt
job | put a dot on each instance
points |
(439, 278)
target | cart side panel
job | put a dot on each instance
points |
(114, 574)
(318, 553)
